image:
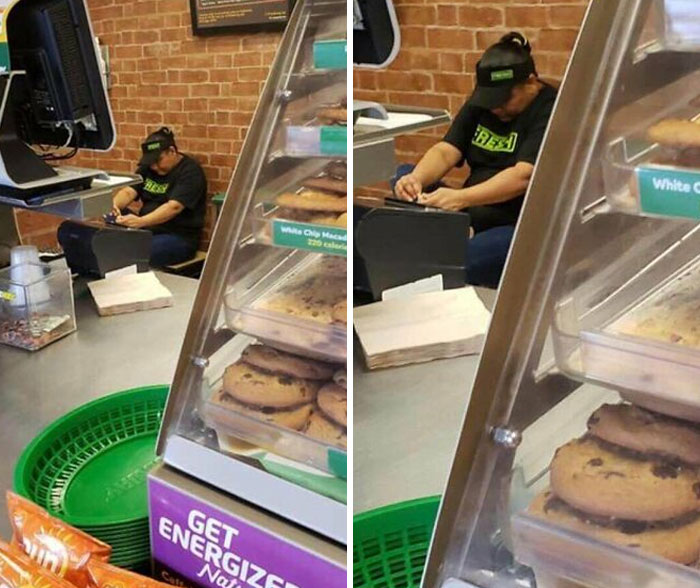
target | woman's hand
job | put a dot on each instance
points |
(408, 188)
(445, 198)
(130, 220)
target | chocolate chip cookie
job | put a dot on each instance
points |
(333, 401)
(591, 477)
(322, 428)
(312, 298)
(340, 312)
(647, 432)
(274, 361)
(677, 540)
(327, 184)
(675, 133)
(313, 200)
(295, 417)
(254, 387)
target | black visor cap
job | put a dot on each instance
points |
(153, 146)
(494, 84)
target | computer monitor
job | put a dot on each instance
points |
(376, 34)
(55, 94)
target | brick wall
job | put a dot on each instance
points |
(204, 88)
(443, 40)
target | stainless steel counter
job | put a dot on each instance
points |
(106, 354)
(406, 424)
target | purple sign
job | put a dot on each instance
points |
(214, 549)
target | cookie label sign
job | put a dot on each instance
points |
(214, 549)
(329, 240)
(664, 192)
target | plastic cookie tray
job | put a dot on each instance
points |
(250, 309)
(650, 349)
(646, 178)
(231, 425)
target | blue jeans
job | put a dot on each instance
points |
(487, 254)
(487, 251)
(169, 249)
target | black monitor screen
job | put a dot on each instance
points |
(375, 32)
(52, 41)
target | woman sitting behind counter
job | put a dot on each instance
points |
(497, 135)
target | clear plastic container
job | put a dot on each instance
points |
(256, 425)
(647, 179)
(642, 339)
(316, 141)
(36, 305)
(293, 307)
(566, 559)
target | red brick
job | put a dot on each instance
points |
(452, 39)
(480, 16)
(527, 16)
(452, 62)
(557, 40)
(566, 16)
(417, 15)
(452, 83)
(447, 15)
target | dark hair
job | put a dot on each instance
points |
(512, 49)
(167, 132)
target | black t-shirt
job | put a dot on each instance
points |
(490, 145)
(186, 184)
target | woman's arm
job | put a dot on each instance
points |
(505, 185)
(432, 167)
(160, 215)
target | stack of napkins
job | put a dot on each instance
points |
(422, 327)
(129, 293)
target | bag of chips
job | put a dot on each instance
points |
(18, 571)
(103, 575)
(58, 547)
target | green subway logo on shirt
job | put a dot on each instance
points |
(490, 141)
(154, 187)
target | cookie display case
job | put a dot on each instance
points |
(577, 461)
(257, 406)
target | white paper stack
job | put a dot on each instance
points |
(129, 293)
(422, 328)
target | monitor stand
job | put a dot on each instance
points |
(23, 174)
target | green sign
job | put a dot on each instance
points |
(4, 58)
(666, 192)
(9, 296)
(338, 463)
(334, 140)
(331, 54)
(330, 240)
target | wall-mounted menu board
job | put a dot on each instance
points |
(216, 16)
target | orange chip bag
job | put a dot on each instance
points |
(103, 575)
(58, 547)
(18, 571)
